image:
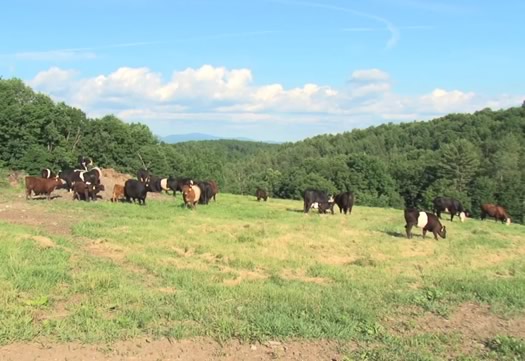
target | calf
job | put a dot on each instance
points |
(345, 202)
(451, 205)
(133, 189)
(311, 196)
(39, 186)
(118, 192)
(425, 220)
(191, 195)
(83, 191)
(261, 194)
(499, 213)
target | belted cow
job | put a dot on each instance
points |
(425, 220)
(451, 205)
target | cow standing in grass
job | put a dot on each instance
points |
(191, 195)
(345, 202)
(451, 205)
(40, 186)
(497, 212)
(425, 220)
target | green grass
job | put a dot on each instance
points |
(249, 270)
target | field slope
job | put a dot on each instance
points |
(102, 273)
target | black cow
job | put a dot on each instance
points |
(83, 191)
(143, 175)
(176, 184)
(206, 192)
(425, 220)
(451, 205)
(311, 196)
(133, 189)
(261, 194)
(345, 202)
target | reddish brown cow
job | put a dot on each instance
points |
(499, 213)
(214, 188)
(191, 195)
(83, 191)
(118, 192)
(39, 186)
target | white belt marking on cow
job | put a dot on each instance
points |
(422, 220)
(315, 205)
(81, 175)
(164, 183)
(48, 173)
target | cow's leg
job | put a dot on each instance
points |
(408, 228)
(451, 216)
(306, 207)
(435, 235)
(424, 233)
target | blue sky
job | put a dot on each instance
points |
(268, 69)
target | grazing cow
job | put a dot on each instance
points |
(425, 220)
(39, 186)
(311, 196)
(499, 213)
(206, 192)
(133, 189)
(176, 184)
(261, 194)
(345, 202)
(83, 191)
(118, 192)
(48, 173)
(142, 175)
(191, 195)
(451, 205)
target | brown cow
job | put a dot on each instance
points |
(261, 194)
(118, 192)
(499, 213)
(214, 188)
(39, 186)
(83, 191)
(191, 195)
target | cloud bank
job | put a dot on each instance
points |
(232, 100)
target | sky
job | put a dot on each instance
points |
(268, 70)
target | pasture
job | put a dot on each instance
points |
(259, 273)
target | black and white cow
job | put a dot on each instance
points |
(425, 220)
(451, 205)
(48, 173)
(176, 184)
(324, 202)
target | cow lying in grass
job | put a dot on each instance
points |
(425, 220)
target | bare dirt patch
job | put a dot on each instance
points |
(34, 215)
(167, 350)
(44, 242)
(475, 323)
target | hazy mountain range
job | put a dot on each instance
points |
(178, 138)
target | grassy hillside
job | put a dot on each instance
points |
(242, 269)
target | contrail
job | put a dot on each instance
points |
(394, 31)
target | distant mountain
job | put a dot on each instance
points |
(179, 138)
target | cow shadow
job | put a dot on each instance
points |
(396, 234)
(295, 210)
(44, 198)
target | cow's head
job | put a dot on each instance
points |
(443, 232)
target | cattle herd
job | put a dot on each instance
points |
(85, 183)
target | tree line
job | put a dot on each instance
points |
(475, 158)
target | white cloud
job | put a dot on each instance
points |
(217, 94)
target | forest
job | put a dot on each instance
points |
(476, 158)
